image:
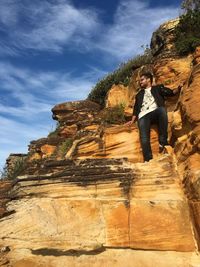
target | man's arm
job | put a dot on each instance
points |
(165, 91)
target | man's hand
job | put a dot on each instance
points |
(129, 123)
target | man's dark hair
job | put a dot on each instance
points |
(147, 74)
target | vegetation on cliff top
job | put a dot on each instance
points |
(187, 38)
(187, 33)
(120, 76)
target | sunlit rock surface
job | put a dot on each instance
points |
(79, 208)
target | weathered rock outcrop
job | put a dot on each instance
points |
(162, 41)
(78, 111)
(74, 209)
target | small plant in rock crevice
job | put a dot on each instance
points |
(64, 147)
(15, 170)
(114, 115)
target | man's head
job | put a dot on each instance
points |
(146, 79)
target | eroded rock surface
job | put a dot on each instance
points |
(89, 207)
(162, 41)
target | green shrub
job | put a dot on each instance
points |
(120, 76)
(17, 168)
(187, 32)
(114, 115)
(64, 147)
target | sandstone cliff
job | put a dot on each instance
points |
(84, 196)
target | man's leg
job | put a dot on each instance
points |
(162, 120)
(144, 128)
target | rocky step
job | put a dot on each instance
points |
(157, 180)
(98, 204)
(46, 166)
(159, 208)
(116, 173)
(86, 170)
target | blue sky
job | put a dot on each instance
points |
(53, 51)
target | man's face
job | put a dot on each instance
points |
(144, 82)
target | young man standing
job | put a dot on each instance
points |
(150, 109)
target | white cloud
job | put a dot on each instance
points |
(35, 93)
(134, 23)
(37, 90)
(15, 136)
(48, 26)
(59, 25)
(9, 12)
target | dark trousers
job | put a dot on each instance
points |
(158, 117)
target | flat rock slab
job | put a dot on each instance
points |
(87, 207)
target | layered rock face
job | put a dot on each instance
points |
(85, 197)
(78, 212)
